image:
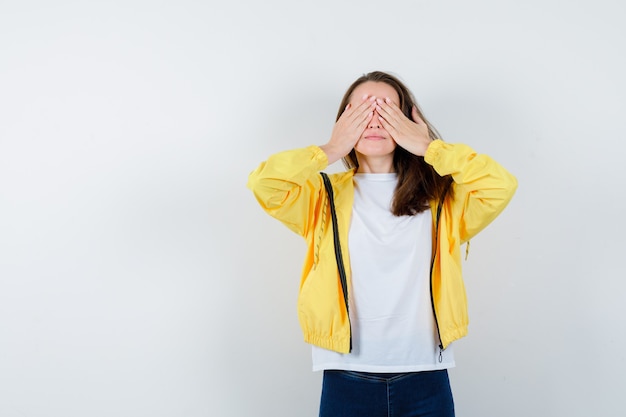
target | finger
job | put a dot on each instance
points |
(391, 112)
(350, 110)
(394, 109)
(365, 102)
(362, 124)
(363, 110)
(389, 127)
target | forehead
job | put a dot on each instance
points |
(377, 89)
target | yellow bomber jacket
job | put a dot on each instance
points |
(290, 188)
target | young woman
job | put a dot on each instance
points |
(404, 207)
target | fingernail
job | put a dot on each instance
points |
(388, 100)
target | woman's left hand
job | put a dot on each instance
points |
(410, 135)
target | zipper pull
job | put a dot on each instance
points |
(440, 355)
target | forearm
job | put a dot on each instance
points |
(287, 182)
(284, 170)
(482, 187)
(468, 167)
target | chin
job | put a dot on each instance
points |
(375, 149)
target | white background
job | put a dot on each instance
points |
(138, 276)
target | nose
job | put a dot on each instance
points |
(374, 123)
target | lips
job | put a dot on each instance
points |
(374, 137)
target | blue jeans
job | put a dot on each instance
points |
(364, 394)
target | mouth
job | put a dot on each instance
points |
(374, 137)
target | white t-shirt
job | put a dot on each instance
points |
(391, 314)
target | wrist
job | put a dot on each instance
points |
(332, 153)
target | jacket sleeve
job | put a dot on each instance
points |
(482, 187)
(288, 184)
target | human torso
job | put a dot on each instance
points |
(393, 328)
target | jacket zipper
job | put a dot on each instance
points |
(432, 266)
(342, 272)
(344, 283)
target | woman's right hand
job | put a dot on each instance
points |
(349, 128)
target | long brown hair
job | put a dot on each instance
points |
(418, 182)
